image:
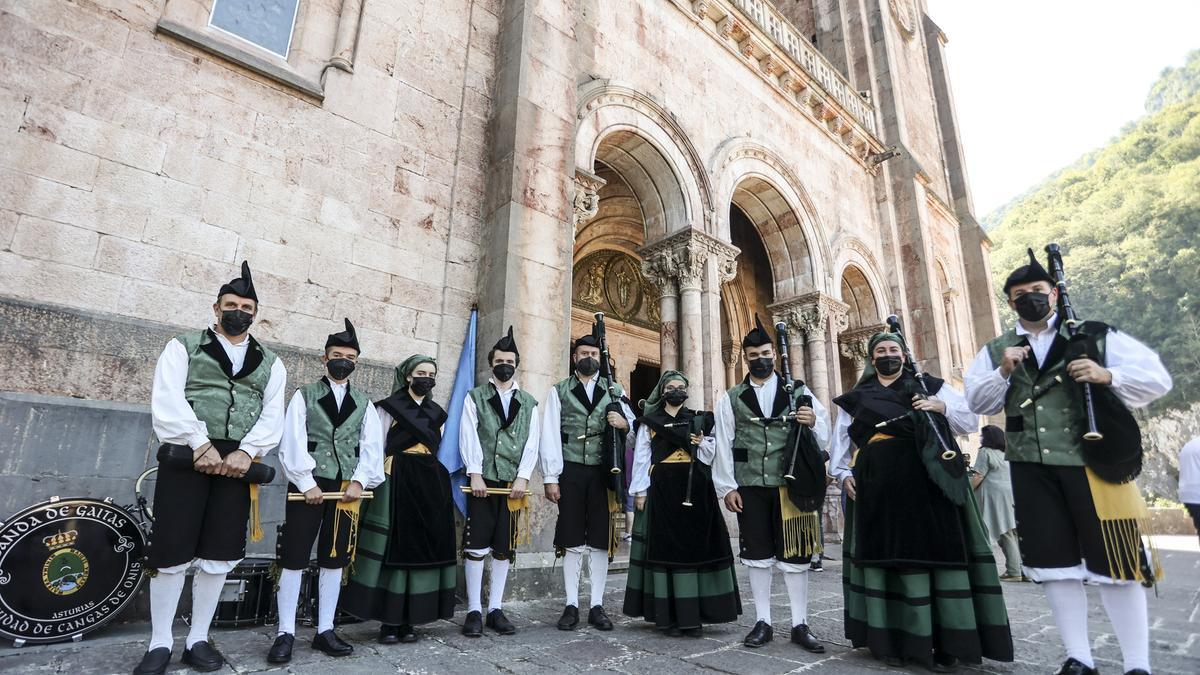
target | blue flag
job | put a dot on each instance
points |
(464, 381)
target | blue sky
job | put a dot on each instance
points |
(1037, 83)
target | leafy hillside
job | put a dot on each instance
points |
(1128, 218)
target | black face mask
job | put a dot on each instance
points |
(587, 367)
(422, 385)
(339, 369)
(1033, 307)
(235, 321)
(504, 371)
(675, 396)
(762, 367)
(888, 365)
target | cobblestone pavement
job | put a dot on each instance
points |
(633, 647)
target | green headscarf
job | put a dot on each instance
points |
(654, 400)
(869, 369)
(405, 369)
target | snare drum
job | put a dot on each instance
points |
(248, 597)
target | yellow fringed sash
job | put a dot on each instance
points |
(256, 529)
(1123, 516)
(350, 510)
(518, 521)
(614, 530)
(801, 530)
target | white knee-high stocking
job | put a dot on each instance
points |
(1068, 604)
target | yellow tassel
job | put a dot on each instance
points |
(614, 530)
(349, 510)
(518, 521)
(256, 529)
(1123, 517)
(801, 529)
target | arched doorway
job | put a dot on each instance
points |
(751, 292)
(864, 319)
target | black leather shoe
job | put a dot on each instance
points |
(1137, 671)
(203, 657)
(281, 651)
(154, 662)
(599, 619)
(1074, 667)
(569, 619)
(500, 623)
(760, 635)
(389, 634)
(802, 636)
(332, 645)
(473, 624)
(696, 632)
(944, 663)
(408, 633)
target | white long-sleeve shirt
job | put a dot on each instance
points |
(640, 480)
(470, 447)
(173, 419)
(1189, 472)
(550, 444)
(1138, 375)
(723, 476)
(958, 414)
(298, 462)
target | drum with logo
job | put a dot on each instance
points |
(248, 597)
(67, 567)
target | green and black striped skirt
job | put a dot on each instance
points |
(910, 612)
(680, 595)
(397, 577)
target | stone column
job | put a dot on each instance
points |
(730, 355)
(720, 269)
(691, 338)
(812, 315)
(660, 270)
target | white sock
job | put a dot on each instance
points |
(289, 598)
(474, 573)
(1068, 604)
(165, 589)
(329, 586)
(206, 591)
(598, 573)
(572, 563)
(760, 588)
(496, 584)
(1126, 608)
(797, 588)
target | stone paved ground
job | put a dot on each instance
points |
(635, 648)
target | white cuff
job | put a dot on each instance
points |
(196, 440)
(549, 480)
(305, 484)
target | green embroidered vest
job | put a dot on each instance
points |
(228, 406)
(502, 445)
(759, 449)
(333, 445)
(1049, 430)
(576, 421)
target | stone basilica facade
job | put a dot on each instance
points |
(679, 165)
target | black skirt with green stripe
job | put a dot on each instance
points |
(909, 608)
(665, 587)
(405, 570)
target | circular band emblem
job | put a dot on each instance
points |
(67, 567)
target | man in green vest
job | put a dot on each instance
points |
(573, 423)
(1069, 519)
(498, 441)
(748, 473)
(332, 442)
(218, 392)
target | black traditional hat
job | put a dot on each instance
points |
(242, 286)
(507, 343)
(1026, 274)
(757, 337)
(346, 338)
(589, 340)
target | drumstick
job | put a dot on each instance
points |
(328, 496)
(490, 491)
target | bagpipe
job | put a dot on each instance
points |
(1112, 444)
(612, 441)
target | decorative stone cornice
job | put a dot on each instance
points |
(852, 344)
(768, 42)
(810, 314)
(586, 199)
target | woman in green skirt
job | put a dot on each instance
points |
(405, 570)
(919, 581)
(680, 564)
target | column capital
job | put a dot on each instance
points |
(731, 353)
(586, 197)
(812, 313)
(852, 344)
(681, 256)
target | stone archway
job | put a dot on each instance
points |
(863, 319)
